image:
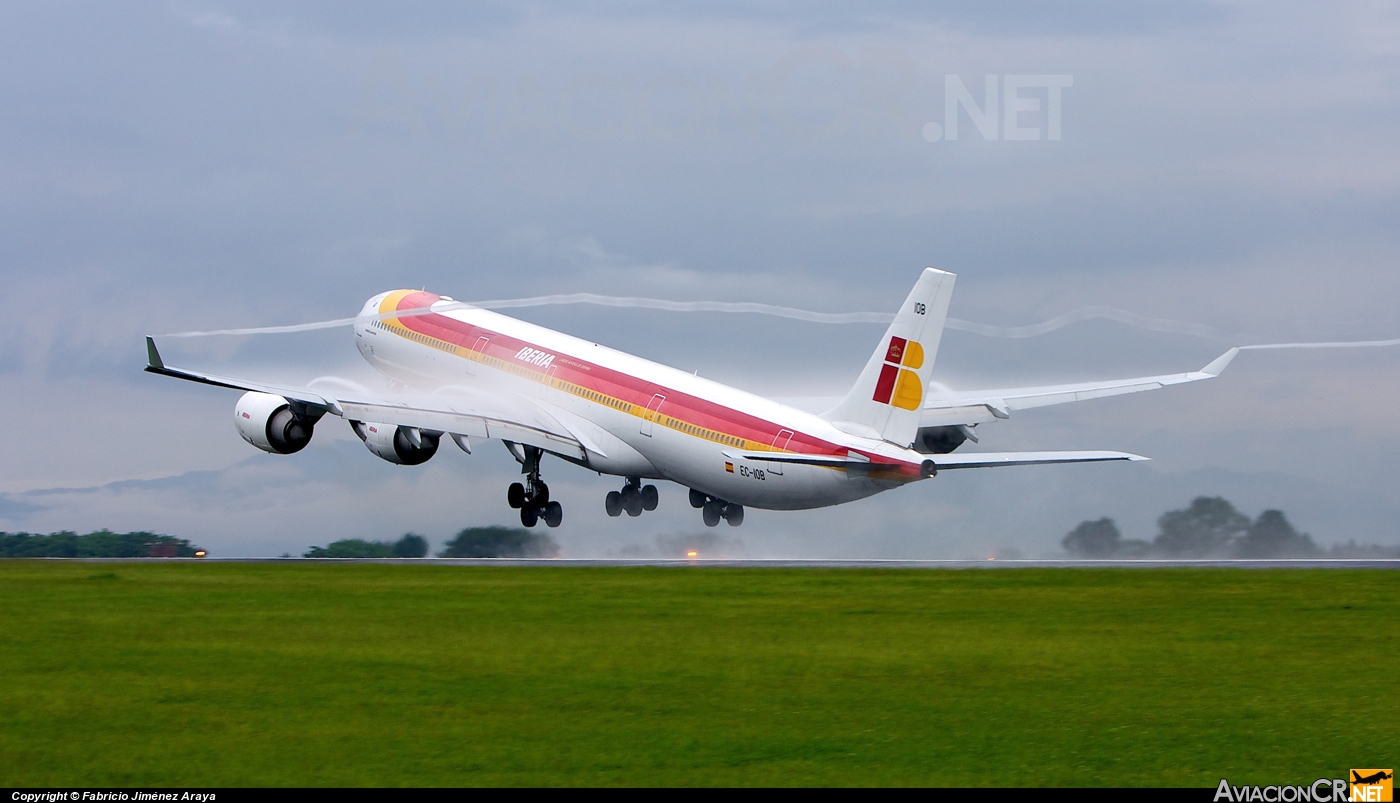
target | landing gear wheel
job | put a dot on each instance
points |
(650, 497)
(632, 501)
(697, 499)
(554, 513)
(531, 498)
(734, 514)
(712, 512)
(613, 504)
(541, 497)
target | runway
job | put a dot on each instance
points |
(787, 563)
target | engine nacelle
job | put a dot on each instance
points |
(405, 446)
(941, 440)
(267, 422)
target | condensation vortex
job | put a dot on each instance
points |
(744, 307)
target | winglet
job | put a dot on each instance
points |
(1218, 364)
(153, 356)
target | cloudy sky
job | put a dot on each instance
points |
(194, 165)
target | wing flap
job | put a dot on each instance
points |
(533, 432)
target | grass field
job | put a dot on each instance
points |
(313, 674)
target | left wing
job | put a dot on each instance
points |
(477, 415)
(981, 406)
(155, 365)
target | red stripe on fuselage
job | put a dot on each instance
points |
(568, 368)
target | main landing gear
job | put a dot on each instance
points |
(632, 499)
(532, 496)
(713, 509)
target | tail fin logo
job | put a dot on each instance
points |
(896, 385)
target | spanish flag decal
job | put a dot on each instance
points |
(729, 467)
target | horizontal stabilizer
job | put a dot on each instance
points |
(993, 459)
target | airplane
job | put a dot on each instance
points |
(472, 374)
(1374, 778)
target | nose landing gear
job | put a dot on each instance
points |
(712, 509)
(632, 499)
(531, 497)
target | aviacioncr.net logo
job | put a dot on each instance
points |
(1372, 786)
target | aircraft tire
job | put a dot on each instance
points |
(632, 501)
(529, 516)
(697, 499)
(712, 512)
(734, 514)
(613, 504)
(650, 497)
(515, 495)
(553, 514)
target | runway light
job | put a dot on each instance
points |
(199, 553)
(692, 554)
(992, 558)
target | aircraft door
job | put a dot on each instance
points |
(780, 442)
(547, 382)
(480, 349)
(652, 413)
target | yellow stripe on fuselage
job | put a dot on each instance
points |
(391, 301)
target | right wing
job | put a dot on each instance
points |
(981, 406)
(476, 414)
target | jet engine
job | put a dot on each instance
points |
(269, 423)
(942, 440)
(406, 446)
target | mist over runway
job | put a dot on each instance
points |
(789, 563)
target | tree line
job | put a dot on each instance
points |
(1211, 527)
(472, 542)
(100, 544)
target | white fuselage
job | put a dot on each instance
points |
(634, 417)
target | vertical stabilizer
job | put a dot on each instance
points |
(887, 399)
